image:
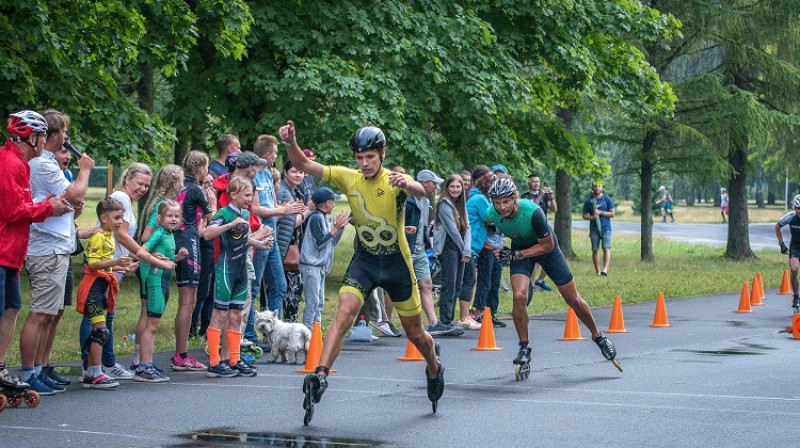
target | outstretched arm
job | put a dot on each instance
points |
(299, 160)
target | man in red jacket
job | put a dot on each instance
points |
(17, 211)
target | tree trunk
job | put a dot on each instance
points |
(646, 197)
(563, 222)
(738, 231)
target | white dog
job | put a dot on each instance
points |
(286, 339)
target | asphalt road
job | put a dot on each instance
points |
(716, 378)
(762, 236)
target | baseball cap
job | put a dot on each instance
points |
(248, 159)
(501, 168)
(426, 175)
(322, 195)
(308, 153)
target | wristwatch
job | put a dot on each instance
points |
(518, 255)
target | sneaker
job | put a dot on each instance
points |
(50, 371)
(149, 375)
(247, 358)
(384, 328)
(243, 358)
(40, 387)
(244, 343)
(498, 323)
(99, 382)
(467, 324)
(221, 370)
(442, 329)
(543, 285)
(244, 369)
(604, 273)
(118, 372)
(50, 383)
(187, 363)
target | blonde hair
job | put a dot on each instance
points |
(168, 203)
(163, 187)
(265, 143)
(276, 175)
(238, 184)
(130, 172)
(193, 162)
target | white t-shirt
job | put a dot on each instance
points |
(56, 234)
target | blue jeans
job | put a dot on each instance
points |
(266, 262)
(109, 357)
(487, 292)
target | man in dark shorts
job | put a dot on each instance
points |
(792, 219)
(382, 257)
(532, 243)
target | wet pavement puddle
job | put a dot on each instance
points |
(220, 437)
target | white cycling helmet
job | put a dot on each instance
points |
(796, 201)
(503, 188)
(662, 188)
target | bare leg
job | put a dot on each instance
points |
(606, 258)
(8, 325)
(426, 297)
(570, 294)
(148, 336)
(519, 285)
(422, 340)
(32, 331)
(463, 309)
(596, 261)
(183, 319)
(46, 340)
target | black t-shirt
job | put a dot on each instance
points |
(539, 199)
(192, 200)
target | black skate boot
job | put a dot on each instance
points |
(14, 392)
(522, 363)
(607, 348)
(796, 303)
(435, 385)
(314, 386)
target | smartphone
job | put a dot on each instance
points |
(546, 184)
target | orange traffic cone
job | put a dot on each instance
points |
(660, 318)
(744, 301)
(761, 286)
(571, 330)
(617, 323)
(486, 342)
(314, 350)
(755, 299)
(785, 290)
(412, 354)
(796, 326)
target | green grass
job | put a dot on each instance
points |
(680, 270)
(698, 213)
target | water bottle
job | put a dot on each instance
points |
(130, 337)
(362, 322)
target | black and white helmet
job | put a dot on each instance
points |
(503, 188)
(796, 201)
(367, 138)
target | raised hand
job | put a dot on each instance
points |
(287, 133)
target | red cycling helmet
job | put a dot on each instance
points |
(26, 122)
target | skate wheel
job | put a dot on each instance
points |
(309, 415)
(14, 401)
(32, 398)
(257, 351)
(616, 364)
(3, 402)
(522, 371)
(434, 405)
